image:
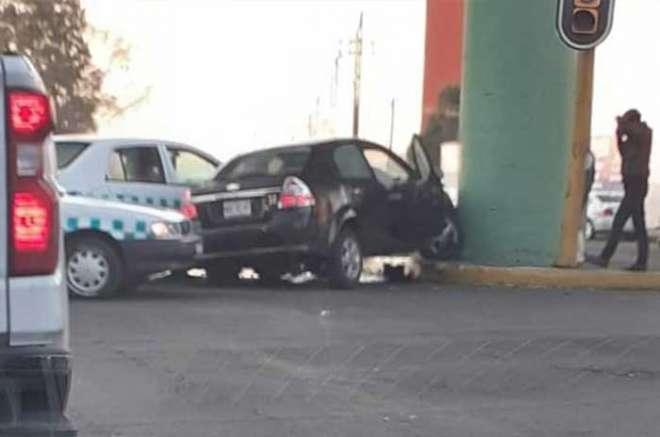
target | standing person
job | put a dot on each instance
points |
(634, 139)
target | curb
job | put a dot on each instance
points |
(538, 277)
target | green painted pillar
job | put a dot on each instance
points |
(516, 119)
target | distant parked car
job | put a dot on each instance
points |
(147, 172)
(113, 246)
(323, 207)
(603, 204)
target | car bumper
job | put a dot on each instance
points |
(287, 232)
(145, 257)
(33, 384)
(604, 224)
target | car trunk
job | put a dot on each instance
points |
(243, 201)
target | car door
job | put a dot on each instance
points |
(187, 167)
(396, 181)
(367, 197)
(136, 175)
(428, 202)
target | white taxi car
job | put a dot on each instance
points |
(113, 246)
(146, 172)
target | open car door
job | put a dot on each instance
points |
(432, 218)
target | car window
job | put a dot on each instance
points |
(116, 168)
(274, 162)
(139, 164)
(423, 165)
(388, 170)
(190, 166)
(350, 163)
(68, 151)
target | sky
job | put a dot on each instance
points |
(232, 76)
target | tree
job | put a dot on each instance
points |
(443, 124)
(52, 34)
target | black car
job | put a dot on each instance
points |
(322, 207)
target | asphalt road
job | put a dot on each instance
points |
(384, 360)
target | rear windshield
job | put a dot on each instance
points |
(273, 163)
(610, 198)
(68, 151)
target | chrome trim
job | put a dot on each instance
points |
(203, 198)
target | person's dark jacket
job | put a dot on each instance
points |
(634, 141)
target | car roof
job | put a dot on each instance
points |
(98, 142)
(81, 138)
(316, 144)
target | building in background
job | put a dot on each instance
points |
(443, 52)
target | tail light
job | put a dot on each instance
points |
(608, 212)
(34, 215)
(295, 194)
(188, 208)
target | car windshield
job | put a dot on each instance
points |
(273, 163)
(68, 151)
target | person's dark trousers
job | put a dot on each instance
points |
(636, 188)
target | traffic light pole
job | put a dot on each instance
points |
(573, 214)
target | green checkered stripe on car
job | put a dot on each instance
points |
(158, 202)
(155, 201)
(119, 229)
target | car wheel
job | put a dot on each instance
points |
(94, 268)
(222, 273)
(589, 231)
(346, 261)
(447, 244)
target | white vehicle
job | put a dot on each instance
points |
(35, 371)
(603, 204)
(113, 246)
(147, 172)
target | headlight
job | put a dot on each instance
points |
(164, 230)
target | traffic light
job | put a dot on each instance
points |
(583, 24)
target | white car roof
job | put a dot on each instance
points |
(99, 141)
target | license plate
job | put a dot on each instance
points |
(236, 208)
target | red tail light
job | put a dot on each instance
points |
(295, 194)
(29, 114)
(34, 215)
(32, 223)
(188, 209)
(609, 212)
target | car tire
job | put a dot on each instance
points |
(222, 273)
(446, 245)
(589, 230)
(345, 266)
(94, 268)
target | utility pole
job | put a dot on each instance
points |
(573, 214)
(357, 52)
(393, 105)
(335, 79)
